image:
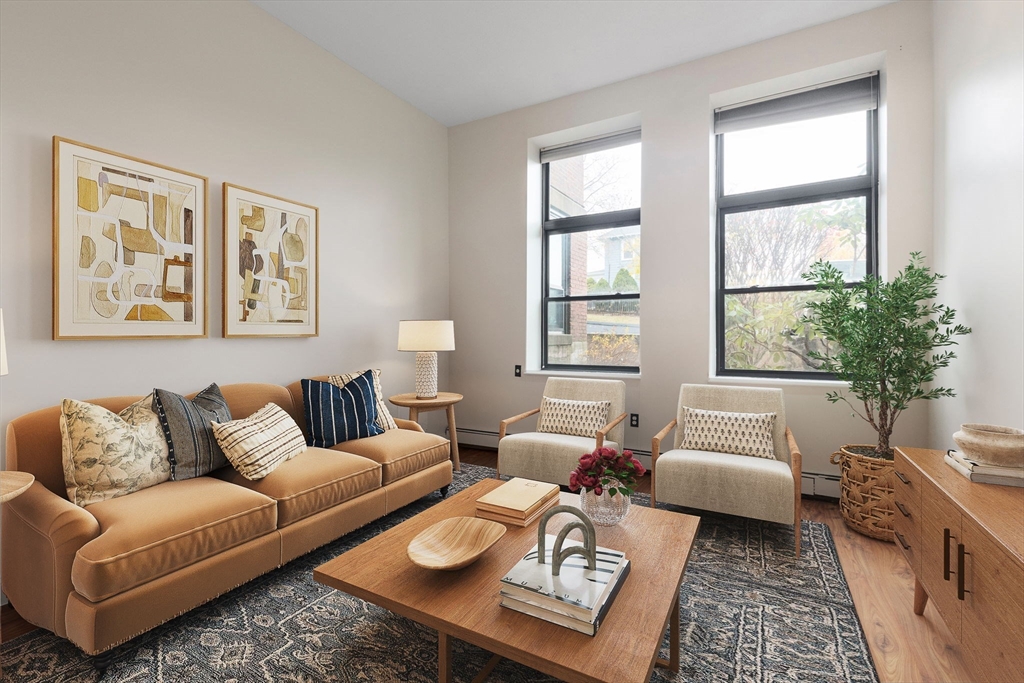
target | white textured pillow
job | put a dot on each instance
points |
(722, 432)
(384, 419)
(256, 445)
(107, 455)
(576, 418)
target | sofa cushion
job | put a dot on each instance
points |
(312, 481)
(542, 456)
(155, 531)
(194, 450)
(400, 452)
(761, 488)
(258, 444)
(335, 414)
(384, 419)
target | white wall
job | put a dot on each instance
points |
(224, 90)
(979, 208)
(488, 177)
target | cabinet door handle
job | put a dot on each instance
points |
(903, 509)
(960, 554)
(903, 541)
(945, 554)
(902, 478)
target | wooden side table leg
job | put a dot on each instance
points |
(414, 414)
(454, 438)
(444, 658)
(920, 597)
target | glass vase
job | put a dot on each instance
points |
(604, 509)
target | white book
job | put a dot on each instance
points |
(576, 591)
(982, 478)
(978, 468)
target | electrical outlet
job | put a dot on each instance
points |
(634, 419)
(519, 371)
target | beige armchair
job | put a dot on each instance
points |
(723, 482)
(544, 456)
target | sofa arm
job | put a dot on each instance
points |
(408, 424)
(42, 532)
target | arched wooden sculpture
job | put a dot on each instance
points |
(588, 550)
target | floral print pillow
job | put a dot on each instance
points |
(107, 455)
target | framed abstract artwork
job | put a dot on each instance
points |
(271, 266)
(129, 247)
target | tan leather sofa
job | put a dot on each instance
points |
(104, 574)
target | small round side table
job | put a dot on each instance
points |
(13, 484)
(445, 400)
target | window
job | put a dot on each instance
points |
(591, 255)
(797, 181)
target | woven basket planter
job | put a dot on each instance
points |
(866, 492)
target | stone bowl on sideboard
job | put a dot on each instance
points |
(991, 444)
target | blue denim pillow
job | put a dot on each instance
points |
(335, 414)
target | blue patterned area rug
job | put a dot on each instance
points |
(749, 611)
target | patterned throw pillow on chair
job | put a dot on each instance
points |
(335, 414)
(194, 450)
(384, 419)
(108, 454)
(256, 445)
(575, 418)
(723, 432)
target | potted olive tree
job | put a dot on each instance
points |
(886, 340)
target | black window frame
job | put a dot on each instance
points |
(842, 188)
(566, 226)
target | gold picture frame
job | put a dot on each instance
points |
(130, 254)
(271, 280)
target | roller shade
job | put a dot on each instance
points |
(857, 94)
(598, 144)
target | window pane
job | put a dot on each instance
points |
(796, 153)
(608, 180)
(763, 332)
(594, 333)
(594, 262)
(773, 247)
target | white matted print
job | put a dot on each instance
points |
(271, 266)
(129, 247)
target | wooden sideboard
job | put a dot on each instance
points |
(965, 543)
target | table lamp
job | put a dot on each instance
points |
(426, 337)
(3, 346)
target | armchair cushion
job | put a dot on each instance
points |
(542, 456)
(577, 418)
(727, 432)
(760, 488)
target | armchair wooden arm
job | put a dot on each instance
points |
(603, 432)
(796, 462)
(505, 423)
(656, 451)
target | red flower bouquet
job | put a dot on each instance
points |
(606, 470)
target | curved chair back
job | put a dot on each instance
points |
(613, 390)
(736, 400)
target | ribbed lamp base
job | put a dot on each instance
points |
(426, 374)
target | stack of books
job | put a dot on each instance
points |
(985, 474)
(518, 502)
(578, 598)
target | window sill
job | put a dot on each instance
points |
(778, 382)
(584, 375)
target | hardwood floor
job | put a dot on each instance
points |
(905, 648)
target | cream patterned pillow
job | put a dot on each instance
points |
(384, 419)
(256, 445)
(722, 432)
(576, 418)
(107, 455)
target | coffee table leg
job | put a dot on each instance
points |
(672, 663)
(454, 439)
(444, 658)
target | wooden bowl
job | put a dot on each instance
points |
(454, 543)
(991, 444)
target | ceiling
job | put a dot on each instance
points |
(460, 60)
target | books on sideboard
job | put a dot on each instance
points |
(984, 474)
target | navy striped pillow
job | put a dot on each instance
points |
(335, 414)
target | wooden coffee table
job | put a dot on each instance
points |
(464, 604)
